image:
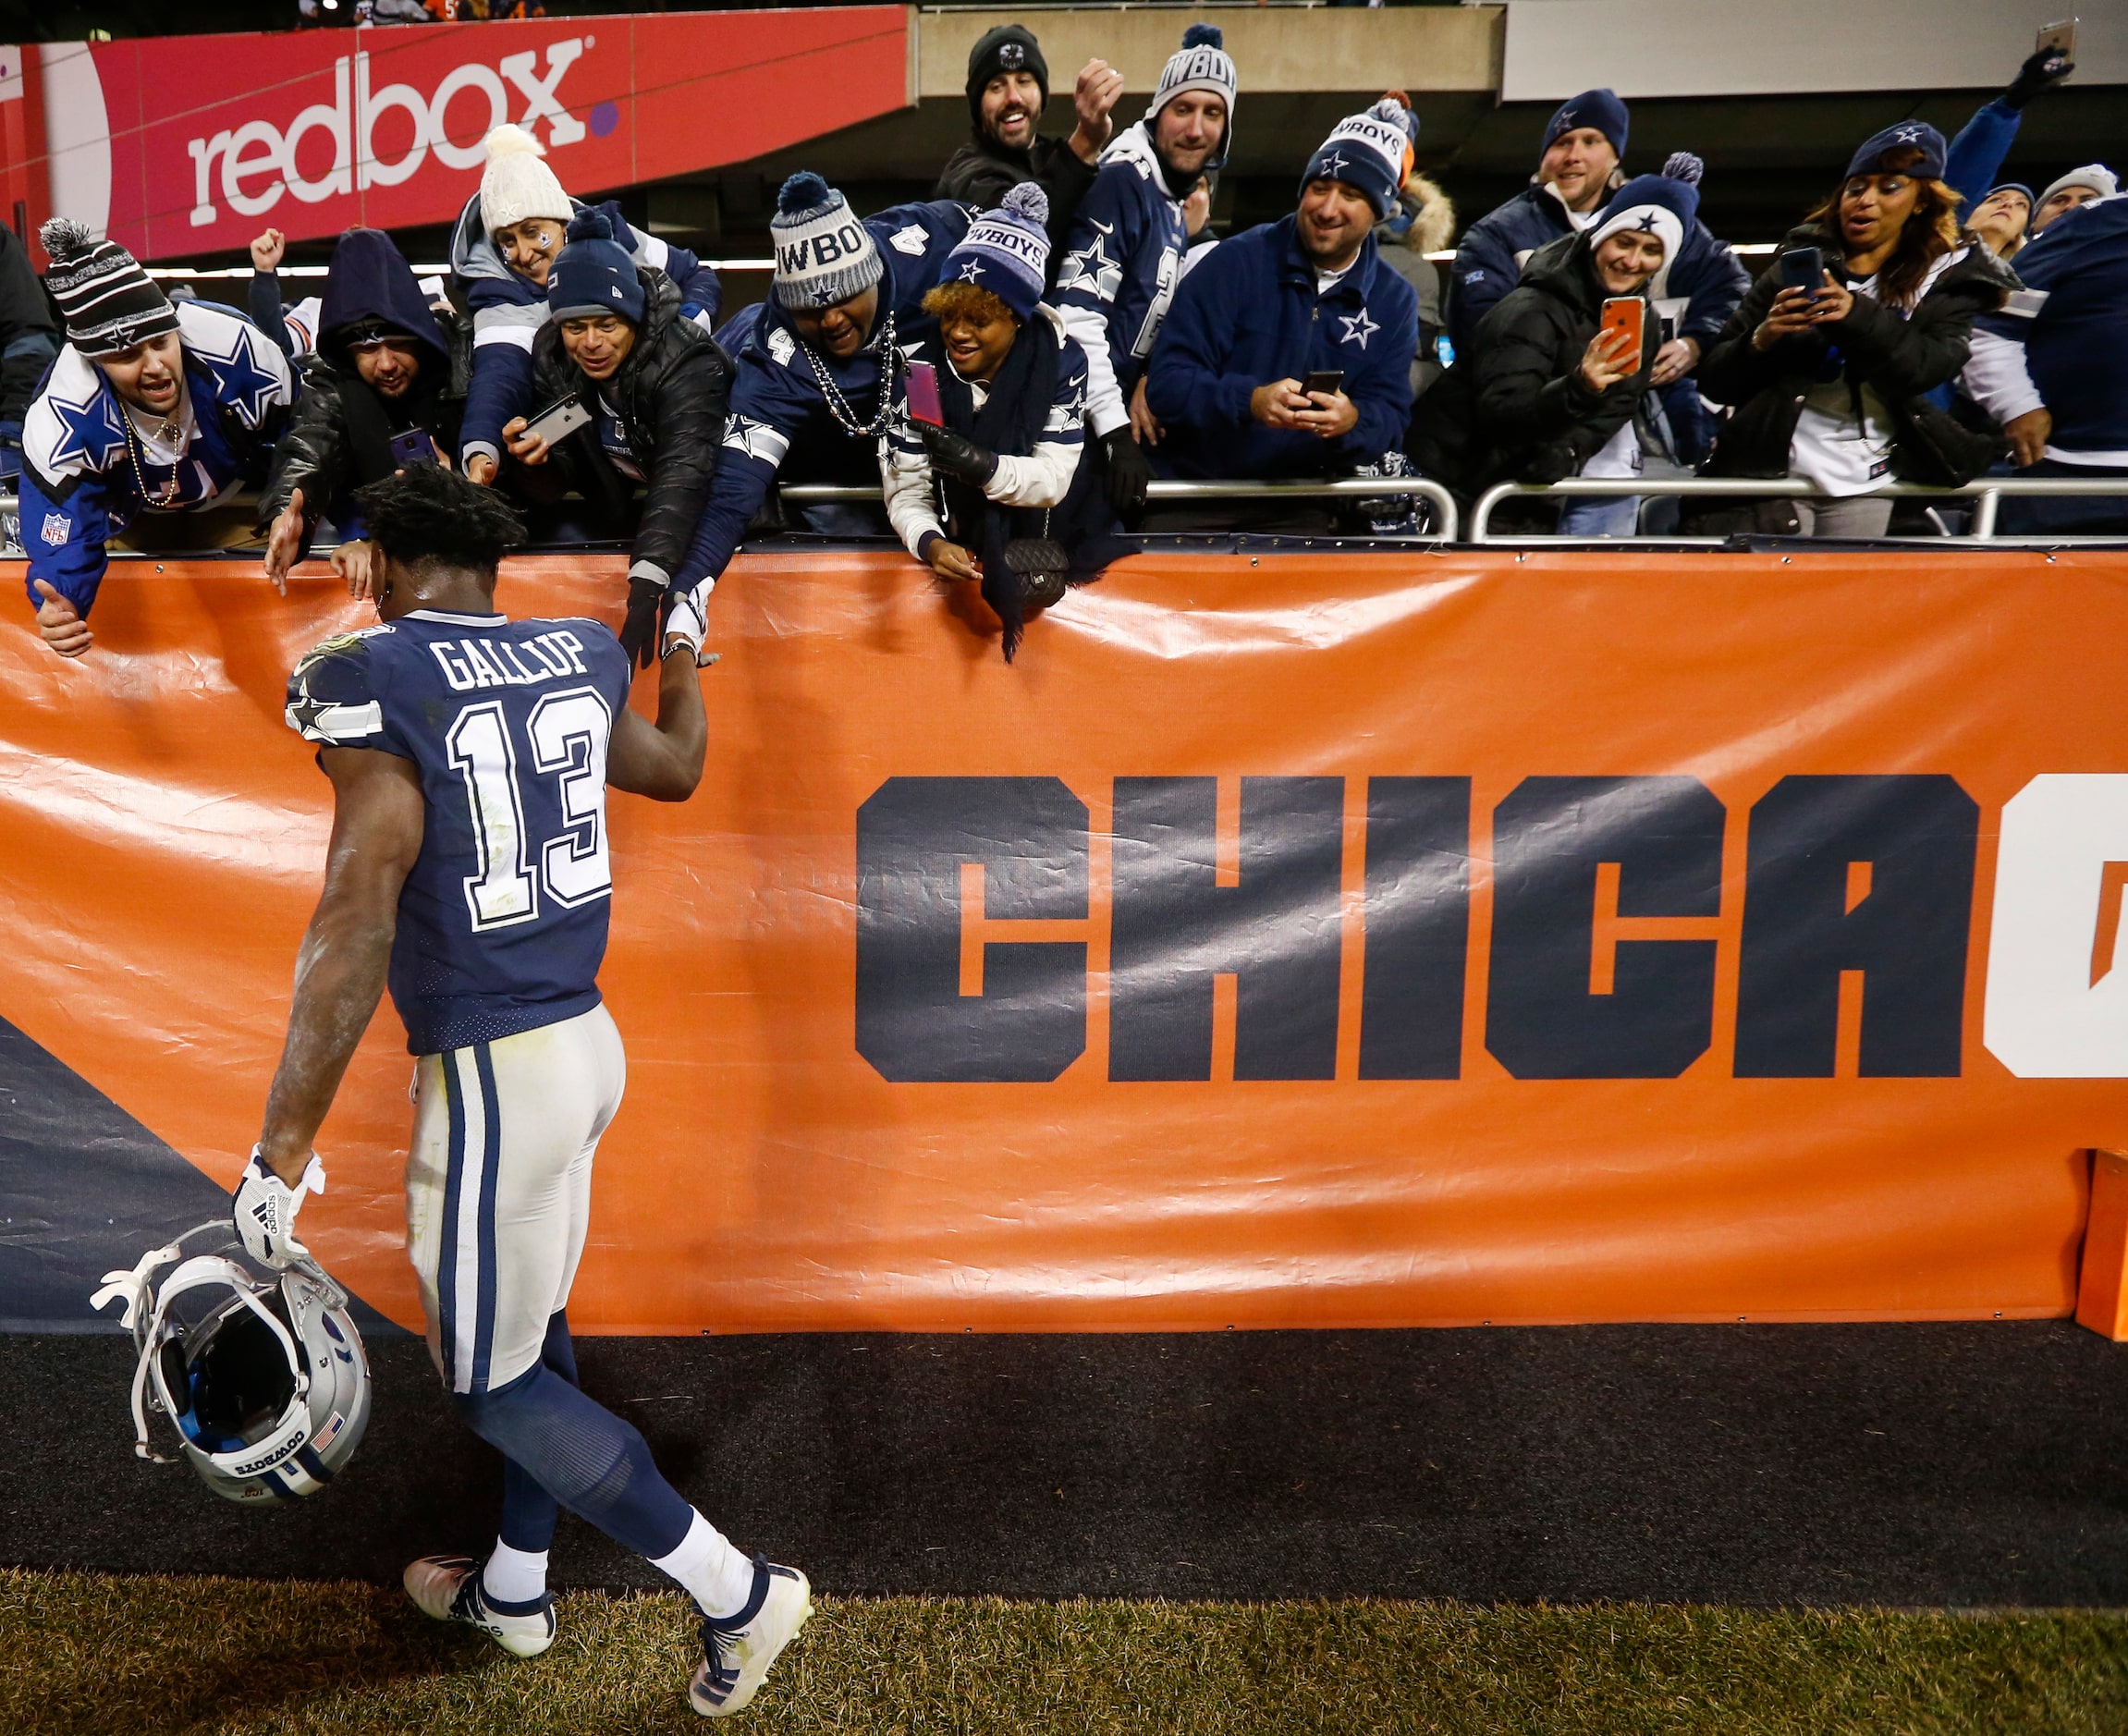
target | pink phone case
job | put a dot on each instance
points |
(923, 394)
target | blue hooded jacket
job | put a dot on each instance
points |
(1250, 313)
(509, 311)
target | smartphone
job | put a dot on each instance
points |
(414, 446)
(2058, 38)
(1803, 268)
(924, 404)
(1627, 315)
(557, 421)
(1327, 381)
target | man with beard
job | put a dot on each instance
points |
(1126, 248)
(386, 388)
(152, 410)
(1007, 89)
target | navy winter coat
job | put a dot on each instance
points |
(1249, 314)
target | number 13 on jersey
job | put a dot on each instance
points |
(562, 846)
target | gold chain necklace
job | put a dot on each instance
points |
(169, 494)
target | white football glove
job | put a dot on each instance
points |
(686, 619)
(264, 1211)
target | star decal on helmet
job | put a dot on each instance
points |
(1358, 328)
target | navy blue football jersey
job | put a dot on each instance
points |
(502, 922)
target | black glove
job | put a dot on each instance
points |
(646, 601)
(2041, 71)
(1128, 473)
(957, 454)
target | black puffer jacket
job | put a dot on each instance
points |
(1517, 408)
(1901, 358)
(340, 433)
(670, 395)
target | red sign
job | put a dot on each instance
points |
(211, 139)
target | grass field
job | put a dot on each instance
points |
(83, 1654)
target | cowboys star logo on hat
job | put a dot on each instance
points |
(971, 271)
(1012, 56)
(1908, 135)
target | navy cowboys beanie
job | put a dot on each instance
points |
(1007, 251)
(594, 273)
(1600, 109)
(1908, 135)
(1004, 48)
(823, 255)
(1656, 204)
(1370, 153)
(108, 303)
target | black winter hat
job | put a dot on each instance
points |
(108, 303)
(1004, 48)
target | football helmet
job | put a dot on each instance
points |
(263, 1373)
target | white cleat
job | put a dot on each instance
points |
(737, 1649)
(448, 1588)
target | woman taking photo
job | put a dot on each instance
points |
(1827, 382)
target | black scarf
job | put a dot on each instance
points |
(1010, 424)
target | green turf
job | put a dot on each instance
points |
(83, 1654)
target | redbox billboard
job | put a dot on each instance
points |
(188, 144)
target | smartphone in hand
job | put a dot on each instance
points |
(924, 404)
(1627, 315)
(2060, 39)
(1327, 381)
(1803, 268)
(412, 447)
(557, 421)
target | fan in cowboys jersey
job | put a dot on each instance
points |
(470, 756)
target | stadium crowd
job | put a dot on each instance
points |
(1012, 362)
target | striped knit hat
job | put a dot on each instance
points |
(108, 303)
(823, 255)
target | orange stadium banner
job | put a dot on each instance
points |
(1370, 940)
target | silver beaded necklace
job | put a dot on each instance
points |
(839, 406)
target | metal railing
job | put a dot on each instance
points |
(1442, 530)
(1986, 495)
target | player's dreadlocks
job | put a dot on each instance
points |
(425, 513)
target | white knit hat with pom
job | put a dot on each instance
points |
(516, 183)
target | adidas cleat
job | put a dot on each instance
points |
(737, 1649)
(448, 1588)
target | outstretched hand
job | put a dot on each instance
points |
(285, 541)
(60, 622)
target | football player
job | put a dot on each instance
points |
(470, 756)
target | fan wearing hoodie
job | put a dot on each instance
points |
(655, 385)
(1125, 250)
(1309, 293)
(1585, 142)
(387, 382)
(503, 252)
(1543, 393)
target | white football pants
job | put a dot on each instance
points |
(499, 1188)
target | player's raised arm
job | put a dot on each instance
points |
(377, 823)
(662, 760)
